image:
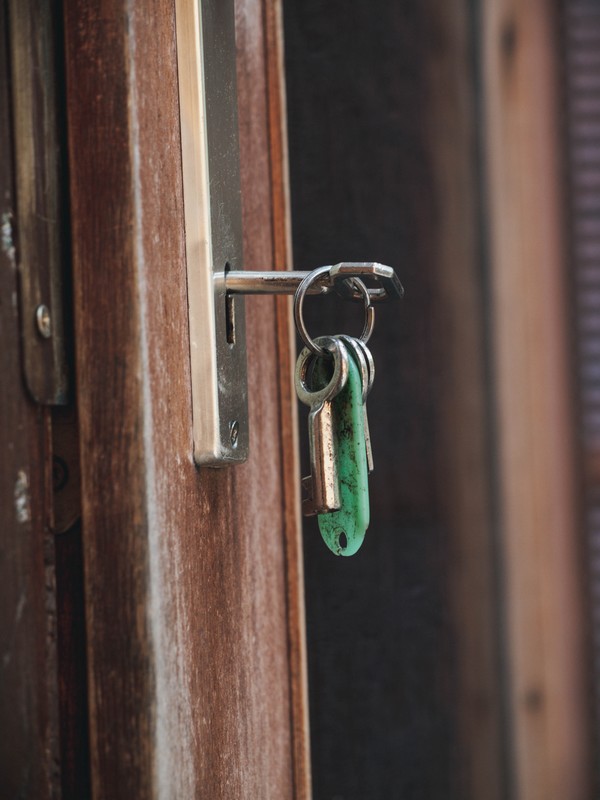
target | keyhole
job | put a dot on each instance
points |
(229, 313)
(230, 318)
(342, 540)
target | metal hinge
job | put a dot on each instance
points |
(38, 239)
(34, 234)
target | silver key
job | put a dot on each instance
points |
(322, 485)
(366, 365)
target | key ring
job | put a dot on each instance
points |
(299, 319)
(338, 380)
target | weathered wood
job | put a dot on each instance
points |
(186, 579)
(282, 259)
(541, 546)
(28, 709)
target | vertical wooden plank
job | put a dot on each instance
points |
(532, 374)
(28, 709)
(286, 336)
(465, 478)
(186, 589)
(110, 373)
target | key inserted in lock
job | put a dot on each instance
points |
(213, 232)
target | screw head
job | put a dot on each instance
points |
(43, 321)
(234, 432)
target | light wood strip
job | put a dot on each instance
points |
(543, 596)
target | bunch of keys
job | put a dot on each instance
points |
(334, 375)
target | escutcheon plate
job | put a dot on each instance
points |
(213, 223)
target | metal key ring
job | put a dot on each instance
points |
(370, 364)
(299, 319)
(311, 397)
(356, 348)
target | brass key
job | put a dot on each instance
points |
(322, 485)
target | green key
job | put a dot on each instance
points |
(343, 531)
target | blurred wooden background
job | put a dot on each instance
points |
(451, 657)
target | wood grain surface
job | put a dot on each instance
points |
(282, 259)
(189, 572)
(541, 546)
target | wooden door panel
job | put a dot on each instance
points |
(188, 571)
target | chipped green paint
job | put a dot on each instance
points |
(344, 531)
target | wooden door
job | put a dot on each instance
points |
(191, 577)
(152, 618)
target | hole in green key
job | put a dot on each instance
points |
(342, 540)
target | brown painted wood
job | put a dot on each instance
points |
(28, 705)
(541, 547)
(189, 572)
(282, 259)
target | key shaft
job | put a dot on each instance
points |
(322, 485)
